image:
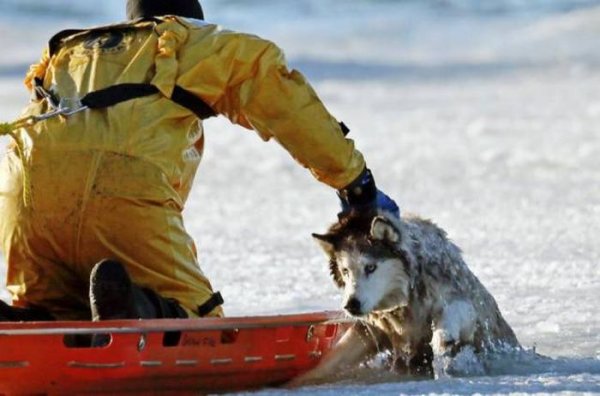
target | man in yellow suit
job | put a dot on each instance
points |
(91, 196)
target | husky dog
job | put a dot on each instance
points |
(412, 293)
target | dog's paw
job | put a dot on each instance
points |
(464, 362)
(443, 343)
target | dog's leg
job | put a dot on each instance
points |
(453, 341)
(357, 345)
(454, 327)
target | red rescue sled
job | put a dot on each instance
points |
(164, 355)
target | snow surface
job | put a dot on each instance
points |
(483, 116)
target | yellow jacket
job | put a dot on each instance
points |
(112, 182)
(241, 76)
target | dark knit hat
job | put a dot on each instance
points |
(150, 8)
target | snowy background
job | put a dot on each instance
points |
(481, 115)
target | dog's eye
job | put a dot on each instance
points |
(345, 271)
(370, 268)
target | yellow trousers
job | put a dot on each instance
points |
(89, 205)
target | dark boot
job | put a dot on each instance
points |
(114, 296)
(15, 314)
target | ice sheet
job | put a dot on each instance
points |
(486, 120)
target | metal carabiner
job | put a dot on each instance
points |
(67, 107)
(48, 115)
(69, 112)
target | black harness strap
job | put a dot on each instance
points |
(191, 102)
(57, 40)
(213, 302)
(115, 94)
(119, 93)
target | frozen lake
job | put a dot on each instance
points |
(485, 119)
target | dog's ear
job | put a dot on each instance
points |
(383, 230)
(326, 241)
(335, 273)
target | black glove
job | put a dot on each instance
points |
(362, 195)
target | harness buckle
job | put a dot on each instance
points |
(67, 107)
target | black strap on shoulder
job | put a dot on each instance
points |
(213, 302)
(115, 94)
(185, 98)
(56, 40)
(119, 93)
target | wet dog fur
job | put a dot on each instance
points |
(412, 293)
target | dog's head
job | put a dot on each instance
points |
(369, 261)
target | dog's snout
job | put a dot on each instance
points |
(353, 306)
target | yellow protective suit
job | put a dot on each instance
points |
(111, 183)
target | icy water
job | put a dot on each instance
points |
(483, 116)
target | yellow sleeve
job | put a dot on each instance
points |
(247, 80)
